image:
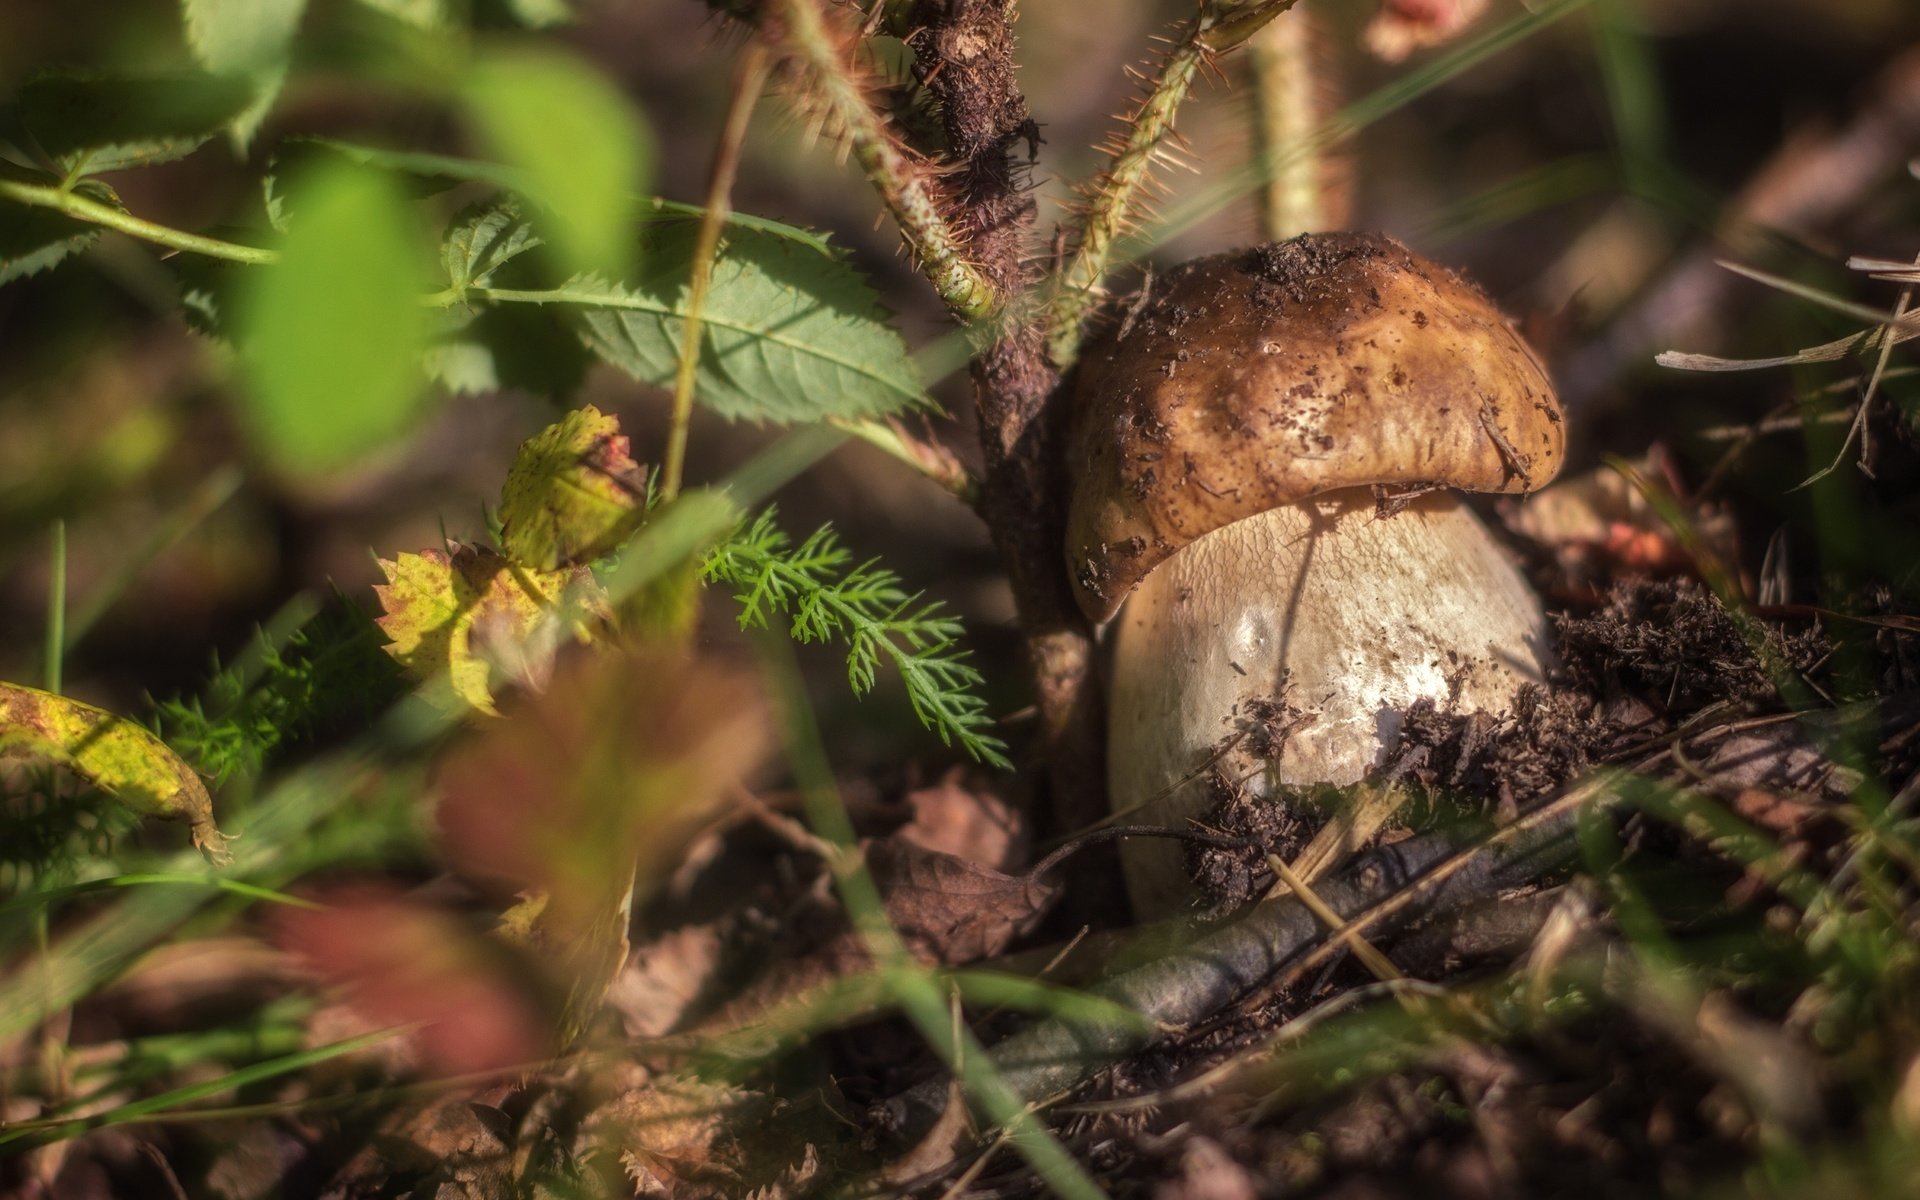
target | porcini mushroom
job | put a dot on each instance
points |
(1264, 445)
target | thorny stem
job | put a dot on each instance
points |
(1219, 25)
(901, 182)
(80, 208)
(749, 76)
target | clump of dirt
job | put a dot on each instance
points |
(1674, 646)
(1230, 876)
(1506, 761)
(1302, 266)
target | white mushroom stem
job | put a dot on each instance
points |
(1355, 616)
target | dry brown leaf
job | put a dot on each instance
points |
(968, 822)
(951, 910)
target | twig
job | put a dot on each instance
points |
(1239, 962)
(749, 76)
(1859, 429)
(937, 249)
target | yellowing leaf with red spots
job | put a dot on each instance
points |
(118, 756)
(473, 613)
(573, 493)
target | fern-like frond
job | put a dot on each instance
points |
(826, 597)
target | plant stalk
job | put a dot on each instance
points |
(749, 77)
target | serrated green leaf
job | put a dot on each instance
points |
(35, 239)
(522, 347)
(787, 335)
(573, 493)
(248, 39)
(413, 175)
(575, 142)
(331, 336)
(473, 613)
(483, 238)
(120, 757)
(87, 124)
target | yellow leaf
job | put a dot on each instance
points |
(472, 613)
(118, 756)
(573, 493)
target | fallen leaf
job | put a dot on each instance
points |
(951, 910)
(472, 613)
(118, 756)
(573, 493)
(672, 1134)
(969, 822)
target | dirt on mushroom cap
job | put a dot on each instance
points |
(1253, 379)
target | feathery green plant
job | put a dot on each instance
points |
(828, 596)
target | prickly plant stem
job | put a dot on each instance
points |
(1075, 290)
(902, 183)
(1220, 25)
(1284, 101)
(749, 77)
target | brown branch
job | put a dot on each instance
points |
(965, 59)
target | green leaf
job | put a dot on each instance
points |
(421, 14)
(481, 240)
(574, 140)
(522, 347)
(332, 335)
(788, 335)
(116, 755)
(573, 493)
(87, 124)
(35, 239)
(248, 39)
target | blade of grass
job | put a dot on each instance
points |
(49, 897)
(214, 491)
(52, 1129)
(56, 643)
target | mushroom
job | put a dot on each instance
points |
(1263, 445)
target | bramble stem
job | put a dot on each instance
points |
(1220, 25)
(749, 77)
(80, 208)
(902, 184)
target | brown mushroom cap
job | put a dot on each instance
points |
(1259, 378)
